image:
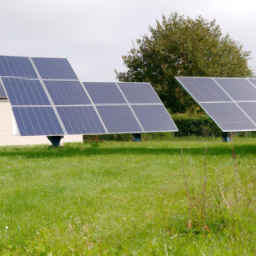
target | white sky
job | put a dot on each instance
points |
(94, 34)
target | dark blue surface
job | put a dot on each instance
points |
(37, 121)
(139, 93)
(54, 68)
(249, 108)
(25, 92)
(67, 92)
(238, 88)
(16, 67)
(104, 93)
(154, 118)
(228, 116)
(80, 120)
(203, 89)
(2, 92)
(118, 119)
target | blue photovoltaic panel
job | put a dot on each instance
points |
(118, 119)
(2, 92)
(249, 108)
(80, 120)
(25, 91)
(67, 92)
(238, 88)
(252, 80)
(139, 93)
(54, 68)
(103, 93)
(228, 116)
(16, 67)
(203, 89)
(154, 118)
(33, 121)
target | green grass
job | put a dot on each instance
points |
(126, 198)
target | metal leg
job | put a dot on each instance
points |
(136, 137)
(227, 136)
(55, 140)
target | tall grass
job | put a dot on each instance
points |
(124, 198)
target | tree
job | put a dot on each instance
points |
(180, 46)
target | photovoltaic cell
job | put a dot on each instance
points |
(80, 120)
(25, 91)
(249, 108)
(139, 93)
(228, 116)
(238, 88)
(104, 93)
(154, 118)
(37, 121)
(67, 92)
(252, 80)
(119, 119)
(16, 67)
(2, 92)
(203, 89)
(54, 68)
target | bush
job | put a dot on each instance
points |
(199, 125)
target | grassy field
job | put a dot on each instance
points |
(126, 198)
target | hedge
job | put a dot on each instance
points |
(200, 125)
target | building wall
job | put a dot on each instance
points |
(6, 131)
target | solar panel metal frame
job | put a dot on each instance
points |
(216, 102)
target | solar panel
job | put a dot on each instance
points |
(54, 68)
(249, 108)
(48, 99)
(103, 93)
(66, 92)
(228, 106)
(154, 118)
(228, 116)
(139, 93)
(81, 120)
(119, 119)
(37, 121)
(25, 92)
(16, 67)
(233, 87)
(203, 89)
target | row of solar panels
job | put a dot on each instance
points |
(48, 99)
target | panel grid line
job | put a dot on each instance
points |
(96, 110)
(236, 104)
(131, 108)
(49, 97)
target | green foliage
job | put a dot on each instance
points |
(107, 137)
(180, 46)
(199, 125)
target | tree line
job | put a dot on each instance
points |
(181, 46)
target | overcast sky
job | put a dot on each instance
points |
(94, 34)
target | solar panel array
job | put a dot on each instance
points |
(230, 102)
(48, 99)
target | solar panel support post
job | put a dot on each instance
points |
(136, 137)
(227, 137)
(55, 140)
